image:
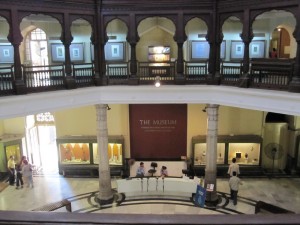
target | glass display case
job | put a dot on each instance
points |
(200, 153)
(245, 153)
(79, 153)
(245, 148)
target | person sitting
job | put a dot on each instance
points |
(140, 170)
(163, 171)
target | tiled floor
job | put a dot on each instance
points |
(283, 192)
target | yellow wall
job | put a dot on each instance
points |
(240, 121)
(1, 127)
(14, 126)
(155, 37)
(82, 121)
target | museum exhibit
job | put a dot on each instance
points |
(132, 109)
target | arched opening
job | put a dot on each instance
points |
(273, 33)
(116, 48)
(80, 49)
(196, 46)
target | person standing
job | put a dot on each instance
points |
(11, 170)
(27, 173)
(234, 167)
(273, 54)
(140, 170)
(234, 183)
(19, 173)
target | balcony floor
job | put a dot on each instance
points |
(282, 192)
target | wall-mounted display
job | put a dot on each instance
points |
(76, 52)
(257, 49)
(6, 54)
(237, 50)
(159, 53)
(114, 51)
(199, 50)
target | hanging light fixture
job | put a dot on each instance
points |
(157, 81)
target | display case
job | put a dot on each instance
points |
(245, 148)
(10, 145)
(79, 155)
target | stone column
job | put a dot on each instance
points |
(105, 195)
(211, 152)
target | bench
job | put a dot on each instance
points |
(55, 205)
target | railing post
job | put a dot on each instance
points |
(180, 37)
(15, 38)
(294, 85)
(66, 39)
(246, 36)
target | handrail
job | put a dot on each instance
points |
(20, 217)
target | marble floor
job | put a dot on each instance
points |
(283, 192)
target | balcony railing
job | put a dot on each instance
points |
(43, 78)
(231, 71)
(6, 80)
(264, 73)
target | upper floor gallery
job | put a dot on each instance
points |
(49, 46)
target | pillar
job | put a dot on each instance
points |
(132, 39)
(211, 152)
(105, 195)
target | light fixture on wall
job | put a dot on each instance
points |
(204, 110)
(107, 107)
(157, 81)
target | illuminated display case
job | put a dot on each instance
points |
(159, 53)
(245, 148)
(79, 154)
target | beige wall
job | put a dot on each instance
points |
(14, 126)
(155, 37)
(82, 121)
(1, 127)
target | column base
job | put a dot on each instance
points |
(70, 82)
(104, 201)
(19, 87)
(210, 80)
(98, 81)
(179, 79)
(244, 81)
(294, 86)
(211, 178)
(133, 80)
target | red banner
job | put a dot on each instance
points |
(158, 131)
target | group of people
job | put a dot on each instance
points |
(234, 181)
(18, 171)
(140, 172)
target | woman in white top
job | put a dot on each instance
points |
(234, 167)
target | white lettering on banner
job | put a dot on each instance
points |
(158, 125)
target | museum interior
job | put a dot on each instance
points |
(96, 87)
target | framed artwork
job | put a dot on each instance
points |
(199, 50)
(237, 50)
(223, 50)
(76, 52)
(114, 51)
(6, 54)
(257, 49)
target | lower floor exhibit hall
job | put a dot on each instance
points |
(152, 130)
